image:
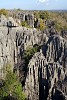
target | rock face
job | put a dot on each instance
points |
(7, 21)
(7, 47)
(46, 69)
(23, 16)
(14, 41)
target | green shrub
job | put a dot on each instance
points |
(4, 12)
(30, 52)
(11, 87)
(25, 24)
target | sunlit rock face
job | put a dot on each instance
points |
(7, 21)
(23, 16)
(7, 47)
(15, 40)
(46, 68)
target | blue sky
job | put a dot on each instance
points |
(34, 4)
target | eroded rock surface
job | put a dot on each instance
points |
(46, 69)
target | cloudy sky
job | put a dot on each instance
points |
(34, 4)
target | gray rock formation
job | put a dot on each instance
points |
(15, 40)
(7, 21)
(44, 71)
(7, 47)
(46, 68)
(23, 16)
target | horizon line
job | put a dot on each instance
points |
(33, 9)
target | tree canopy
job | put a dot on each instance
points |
(11, 87)
(4, 12)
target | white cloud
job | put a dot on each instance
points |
(43, 0)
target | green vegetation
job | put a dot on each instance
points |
(11, 86)
(41, 25)
(25, 24)
(42, 14)
(60, 19)
(58, 26)
(4, 12)
(30, 52)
